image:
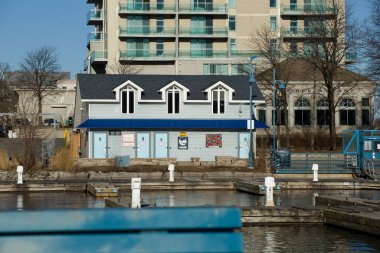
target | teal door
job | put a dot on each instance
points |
(161, 145)
(100, 145)
(243, 147)
(143, 145)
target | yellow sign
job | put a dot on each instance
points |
(182, 134)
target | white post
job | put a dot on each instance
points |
(19, 170)
(136, 187)
(10, 134)
(315, 172)
(171, 172)
(269, 184)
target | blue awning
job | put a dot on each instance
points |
(171, 124)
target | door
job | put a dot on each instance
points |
(143, 145)
(243, 147)
(161, 145)
(100, 145)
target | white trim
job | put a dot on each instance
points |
(174, 83)
(123, 85)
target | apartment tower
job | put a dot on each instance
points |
(192, 37)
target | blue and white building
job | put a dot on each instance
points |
(165, 116)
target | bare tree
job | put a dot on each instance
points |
(125, 68)
(40, 73)
(325, 46)
(272, 50)
(8, 97)
(372, 44)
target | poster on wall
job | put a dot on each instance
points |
(213, 140)
(183, 142)
(128, 139)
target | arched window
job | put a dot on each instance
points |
(173, 100)
(347, 112)
(302, 112)
(128, 100)
(218, 100)
(323, 115)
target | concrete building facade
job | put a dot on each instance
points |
(192, 37)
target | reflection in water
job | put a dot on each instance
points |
(20, 204)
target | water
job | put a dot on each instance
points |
(308, 238)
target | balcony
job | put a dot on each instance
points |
(203, 8)
(203, 32)
(94, 16)
(205, 53)
(94, 37)
(85, 65)
(244, 53)
(305, 33)
(146, 55)
(306, 10)
(146, 8)
(350, 57)
(99, 56)
(146, 31)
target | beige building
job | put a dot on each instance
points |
(192, 37)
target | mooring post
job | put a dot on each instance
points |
(20, 170)
(315, 172)
(136, 187)
(171, 172)
(269, 184)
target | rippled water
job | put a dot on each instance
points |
(309, 238)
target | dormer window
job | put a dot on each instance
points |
(218, 101)
(128, 101)
(173, 100)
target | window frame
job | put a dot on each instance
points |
(219, 90)
(125, 101)
(232, 23)
(302, 106)
(347, 112)
(175, 93)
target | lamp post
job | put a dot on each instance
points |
(252, 81)
(282, 86)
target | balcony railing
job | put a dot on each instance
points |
(146, 31)
(94, 15)
(94, 37)
(206, 53)
(85, 64)
(204, 31)
(146, 7)
(136, 55)
(204, 8)
(314, 10)
(244, 53)
(99, 56)
(305, 32)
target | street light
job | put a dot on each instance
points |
(281, 86)
(252, 81)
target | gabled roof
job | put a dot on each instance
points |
(101, 87)
(301, 70)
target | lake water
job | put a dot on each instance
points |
(305, 238)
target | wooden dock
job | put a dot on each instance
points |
(353, 213)
(254, 187)
(102, 190)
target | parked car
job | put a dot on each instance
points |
(22, 122)
(51, 122)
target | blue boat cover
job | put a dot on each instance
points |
(172, 124)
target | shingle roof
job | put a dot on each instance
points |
(101, 86)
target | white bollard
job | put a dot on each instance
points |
(315, 172)
(19, 170)
(171, 172)
(10, 134)
(269, 184)
(136, 187)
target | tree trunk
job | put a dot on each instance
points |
(332, 127)
(39, 110)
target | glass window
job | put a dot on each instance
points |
(347, 113)
(272, 3)
(262, 116)
(232, 23)
(218, 101)
(273, 24)
(273, 44)
(240, 69)
(323, 113)
(173, 100)
(293, 49)
(215, 69)
(160, 47)
(232, 4)
(160, 24)
(302, 112)
(365, 117)
(293, 24)
(128, 101)
(365, 101)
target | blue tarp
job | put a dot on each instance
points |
(173, 124)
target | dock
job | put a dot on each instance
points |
(352, 213)
(102, 190)
(254, 187)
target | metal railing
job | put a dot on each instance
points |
(203, 53)
(309, 9)
(146, 30)
(146, 7)
(95, 15)
(204, 7)
(305, 32)
(131, 55)
(244, 53)
(203, 30)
